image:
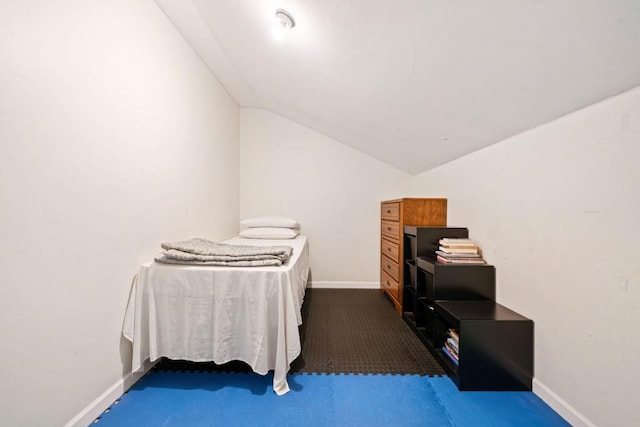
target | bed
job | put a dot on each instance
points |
(220, 314)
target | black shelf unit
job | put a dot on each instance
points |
(495, 345)
(421, 241)
(438, 281)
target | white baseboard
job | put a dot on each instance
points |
(566, 411)
(106, 399)
(344, 285)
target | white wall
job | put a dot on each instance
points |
(557, 211)
(331, 189)
(113, 138)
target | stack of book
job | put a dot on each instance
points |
(458, 251)
(451, 346)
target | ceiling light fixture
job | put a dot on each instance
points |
(284, 22)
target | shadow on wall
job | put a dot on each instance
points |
(126, 349)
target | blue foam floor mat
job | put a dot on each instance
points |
(247, 399)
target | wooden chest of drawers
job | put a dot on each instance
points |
(394, 215)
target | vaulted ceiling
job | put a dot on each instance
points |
(417, 83)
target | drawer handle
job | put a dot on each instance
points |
(388, 210)
(388, 266)
(389, 249)
(388, 228)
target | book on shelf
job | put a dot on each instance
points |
(460, 250)
(457, 255)
(460, 260)
(453, 351)
(446, 351)
(456, 241)
(442, 259)
(453, 343)
(454, 334)
(454, 245)
(457, 245)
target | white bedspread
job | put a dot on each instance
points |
(220, 314)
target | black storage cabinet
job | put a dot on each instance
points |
(495, 345)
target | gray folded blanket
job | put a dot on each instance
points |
(199, 251)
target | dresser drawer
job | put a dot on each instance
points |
(390, 267)
(389, 284)
(390, 230)
(390, 249)
(390, 211)
(396, 275)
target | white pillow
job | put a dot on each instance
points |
(270, 221)
(269, 233)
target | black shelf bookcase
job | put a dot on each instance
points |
(421, 241)
(439, 281)
(496, 350)
(495, 345)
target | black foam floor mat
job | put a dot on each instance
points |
(358, 331)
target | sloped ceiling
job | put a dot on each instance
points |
(417, 83)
